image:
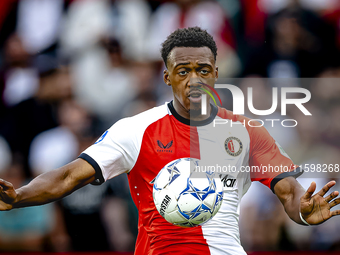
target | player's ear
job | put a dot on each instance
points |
(166, 77)
(216, 73)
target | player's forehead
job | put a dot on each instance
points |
(191, 55)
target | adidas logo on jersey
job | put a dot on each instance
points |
(227, 182)
(164, 148)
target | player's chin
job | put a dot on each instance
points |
(195, 110)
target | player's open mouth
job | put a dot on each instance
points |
(195, 96)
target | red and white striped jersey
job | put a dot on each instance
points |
(143, 144)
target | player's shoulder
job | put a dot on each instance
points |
(143, 119)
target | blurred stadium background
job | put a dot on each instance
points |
(70, 68)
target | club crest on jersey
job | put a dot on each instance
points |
(164, 148)
(233, 146)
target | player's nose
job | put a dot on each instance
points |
(195, 82)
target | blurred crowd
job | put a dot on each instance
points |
(69, 69)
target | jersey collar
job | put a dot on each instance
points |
(193, 122)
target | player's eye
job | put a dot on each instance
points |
(183, 72)
(204, 71)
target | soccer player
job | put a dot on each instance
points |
(143, 144)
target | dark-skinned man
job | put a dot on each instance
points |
(131, 146)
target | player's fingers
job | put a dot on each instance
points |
(1, 192)
(5, 184)
(334, 213)
(331, 196)
(325, 188)
(4, 206)
(334, 202)
(309, 191)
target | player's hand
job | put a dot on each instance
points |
(316, 209)
(7, 195)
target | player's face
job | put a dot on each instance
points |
(186, 67)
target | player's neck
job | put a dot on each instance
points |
(192, 114)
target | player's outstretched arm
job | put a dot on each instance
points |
(314, 209)
(47, 187)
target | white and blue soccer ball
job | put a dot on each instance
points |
(184, 196)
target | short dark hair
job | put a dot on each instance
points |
(188, 37)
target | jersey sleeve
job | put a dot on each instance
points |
(114, 153)
(267, 159)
